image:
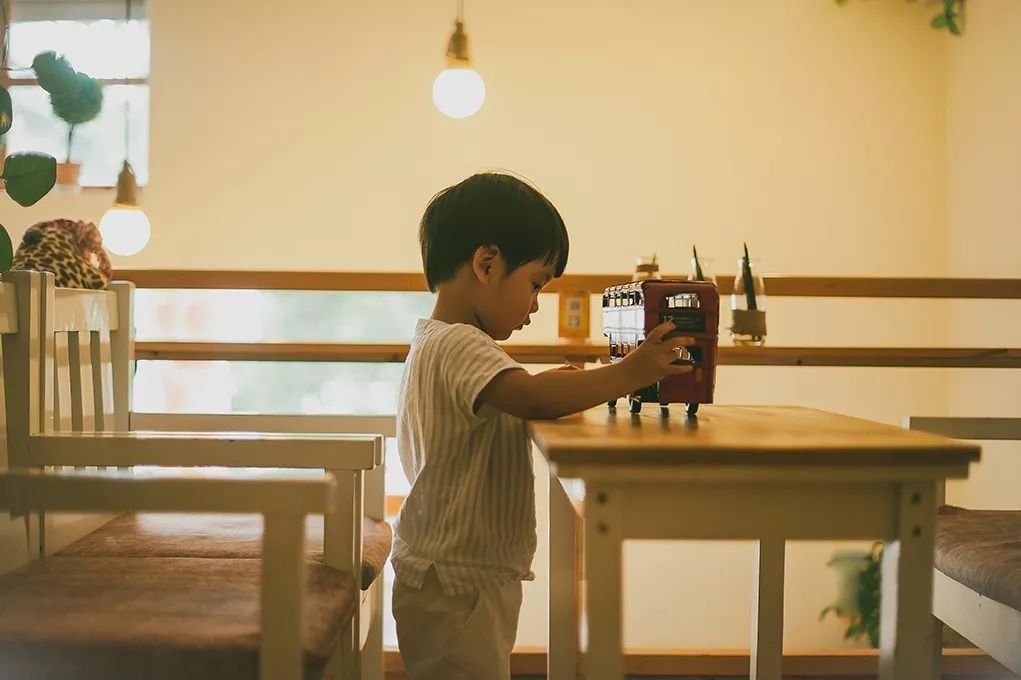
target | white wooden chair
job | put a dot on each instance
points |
(71, 407)
(977, 579)
(282, 501)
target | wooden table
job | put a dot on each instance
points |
(768, 474)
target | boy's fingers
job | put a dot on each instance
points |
(678, 369)
(657, 333)
(680, 342)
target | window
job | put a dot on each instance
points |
(97, 40)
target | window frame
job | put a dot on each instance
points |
(10, 83)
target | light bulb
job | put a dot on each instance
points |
(459, 92)
(125, 229)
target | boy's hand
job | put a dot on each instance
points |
(653, 360)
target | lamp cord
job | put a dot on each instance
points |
(460, 10)
(127, 102)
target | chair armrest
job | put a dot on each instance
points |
(162, 491)
(224, 449)
(385, 425)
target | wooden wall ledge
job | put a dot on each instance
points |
(825, 663)
(779, 286)
(573, 352)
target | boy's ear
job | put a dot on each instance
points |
(484, 262)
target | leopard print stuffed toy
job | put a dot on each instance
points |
(72, 251)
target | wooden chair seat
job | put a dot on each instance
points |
(217, 536)
(982, 550)
(166, 617)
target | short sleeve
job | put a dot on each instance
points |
(472, 360)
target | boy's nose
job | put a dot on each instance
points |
(535, 306)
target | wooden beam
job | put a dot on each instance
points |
(823, 663)
(28, 82)
(590, 352)
(779, 286)
(272, 280)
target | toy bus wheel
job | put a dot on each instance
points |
(664, 410)
(691, 409)
(612, 404)
(636, 405)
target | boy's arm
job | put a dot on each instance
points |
(556, 393)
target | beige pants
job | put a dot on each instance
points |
(456, 637)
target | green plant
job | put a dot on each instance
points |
(749, 280)
(76, 98)
(948, 18)
(863, 618)
(27, 176)
(699, 276)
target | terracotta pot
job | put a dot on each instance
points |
(67, 173)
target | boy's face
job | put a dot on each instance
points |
(510, 299)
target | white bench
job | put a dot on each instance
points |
(977, 578)
(68, 362)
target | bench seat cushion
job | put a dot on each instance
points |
(109, 617)
(982, 550)
(221, 536)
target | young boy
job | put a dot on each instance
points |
(465, 536)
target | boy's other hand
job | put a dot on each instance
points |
(654, 358)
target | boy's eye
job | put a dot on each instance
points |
(537, 287)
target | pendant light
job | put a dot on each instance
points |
(125, 227)
(458, 90)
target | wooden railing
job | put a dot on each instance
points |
(582, 351)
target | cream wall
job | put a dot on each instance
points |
(308, 140)
(984, 228)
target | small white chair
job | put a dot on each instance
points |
(68, 389)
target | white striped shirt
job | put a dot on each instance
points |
(471, 510)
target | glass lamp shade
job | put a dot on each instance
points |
(125, 229)
(459, 92)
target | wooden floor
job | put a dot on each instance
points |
(848, 664)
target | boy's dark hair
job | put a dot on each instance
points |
(490, 209)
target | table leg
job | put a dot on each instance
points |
(908, 644)
(767, 610)
(562, 659)
(603, 583)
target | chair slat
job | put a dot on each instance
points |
(88, 395)
(62, 419)
(74, 363)
(102, 380)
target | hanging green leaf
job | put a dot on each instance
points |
(6, 111)
(946, 19)
(55, 75)
(29, 176)
(6, 250)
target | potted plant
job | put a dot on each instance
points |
(858, 599)
(76, 99)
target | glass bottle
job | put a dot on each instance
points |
(646, 268)
(748, 304)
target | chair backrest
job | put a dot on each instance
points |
(69, 365)
(89, 338)
(62, 374)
